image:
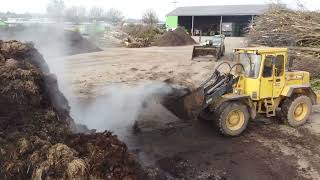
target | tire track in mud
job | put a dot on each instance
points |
(298, 144)
(198, 151)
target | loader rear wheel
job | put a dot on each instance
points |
(296, 110)
(232, 118)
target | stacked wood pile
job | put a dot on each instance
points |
(297, 29)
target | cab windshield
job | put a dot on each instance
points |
(251, 64)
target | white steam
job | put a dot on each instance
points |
(50, 40)
(120, 107)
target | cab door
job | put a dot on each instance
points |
(279, 74)
(267, 77)
(272, 76)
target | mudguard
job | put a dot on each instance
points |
(289, 91)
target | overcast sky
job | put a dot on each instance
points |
(135, 8)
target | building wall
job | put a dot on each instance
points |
(172, 22)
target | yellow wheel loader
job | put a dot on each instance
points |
(259, 81)
(210, 49)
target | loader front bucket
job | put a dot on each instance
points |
(188, 103)
(202, 52)
(184, 103)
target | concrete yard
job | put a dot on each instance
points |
(182, 149)
(121, 65)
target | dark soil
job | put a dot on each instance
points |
(177, 37)
(197, 151)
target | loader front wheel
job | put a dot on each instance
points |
(296, 110)
(232, 118)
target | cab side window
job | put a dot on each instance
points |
(267, 67)
(279, 65)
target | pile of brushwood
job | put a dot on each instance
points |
(178, 37)
(297, 29)
(141, 35)
(37, 135)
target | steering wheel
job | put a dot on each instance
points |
(238, 64)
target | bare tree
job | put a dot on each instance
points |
(96, 13)
(76, 14)
(55, 9)
(150, 17)
(300, 5)
(114, 16)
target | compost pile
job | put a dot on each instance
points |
(77, 44)
(177, 37)
(36, 139)
(50, 40)
(297, 29)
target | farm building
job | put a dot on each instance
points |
(230, 20)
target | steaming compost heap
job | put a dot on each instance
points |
(296, 29)
(36, 139)
(177, 37)
(51, 40)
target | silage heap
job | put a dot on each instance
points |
(36, 139)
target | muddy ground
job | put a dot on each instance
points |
(179, 149)
(265, 151)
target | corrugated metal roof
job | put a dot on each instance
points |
(227, 10)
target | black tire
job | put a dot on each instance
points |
(223, 51)
(223, 113)
(289, 107)
(218, 55)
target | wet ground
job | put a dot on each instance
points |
(175, 149)
(194, 150)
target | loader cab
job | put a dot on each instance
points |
(263, 76)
